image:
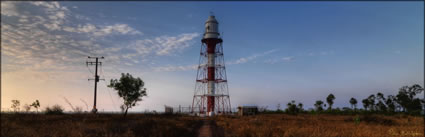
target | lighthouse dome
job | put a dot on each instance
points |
(211, 28)
(211, 19)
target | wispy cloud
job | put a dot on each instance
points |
(176, 68)
(99, 31)
(250, 58)
(292, 58)
(195, 66)
(163, 45)
(277, 60)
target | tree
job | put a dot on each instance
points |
(406, 98)
(381, 99)
(300, 107)
(15, 105)
(27, 107)
(130, 89)
(330, 99)
(365, 103)
(390, 102)
(353, 103)
(293, 108)
(371, 100)
(318, 105)
(36, 104)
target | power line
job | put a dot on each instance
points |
(88, 67)
(109, 91)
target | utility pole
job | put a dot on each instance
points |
(96, 78)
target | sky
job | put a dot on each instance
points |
(275, 52)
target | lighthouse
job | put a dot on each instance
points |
(211, 90)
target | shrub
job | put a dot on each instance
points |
(55, 109)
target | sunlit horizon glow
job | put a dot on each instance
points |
(275, 52)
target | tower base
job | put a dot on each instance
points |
(221, 105)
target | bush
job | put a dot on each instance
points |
(55, 110)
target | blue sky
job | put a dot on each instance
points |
(275, 52)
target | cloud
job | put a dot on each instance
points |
(250, 58)
(56, 39)
(277, 60)
(288, 58)
(113, 29)
(168, 44)
(163, 45)
(45, 31)
(176, 68)
(99, 31)
(8, 8)
(195, 66)
(55, 13)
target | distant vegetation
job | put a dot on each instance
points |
(36, 105)
(404, 102)
(55, 109)
(15, 105)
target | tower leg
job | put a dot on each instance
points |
(211, 103)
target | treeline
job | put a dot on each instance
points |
(404, 102)
(55, 109)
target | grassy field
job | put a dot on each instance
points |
(308, 125)
(103, 125)
(264, 125)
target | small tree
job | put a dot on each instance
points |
(330, 99)
(15, 105)
(318, 105)
(130, 89)
(353, 103)
(293, 108)
(36, 105)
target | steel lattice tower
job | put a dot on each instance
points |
(211, 91)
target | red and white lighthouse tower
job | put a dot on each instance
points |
(211, 92)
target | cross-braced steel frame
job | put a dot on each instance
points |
(221, 96)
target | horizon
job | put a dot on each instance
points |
(275, 52)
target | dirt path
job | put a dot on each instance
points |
(210, 129)
(205, 130)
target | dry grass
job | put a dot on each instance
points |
(265, 125)
(281, 125)
(77, 125)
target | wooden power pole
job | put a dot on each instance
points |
(96, 78)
